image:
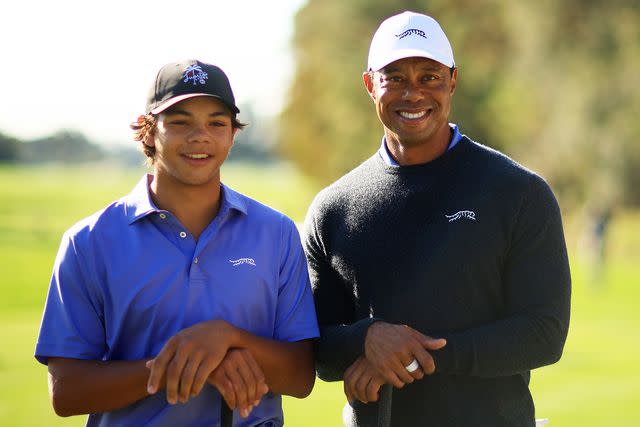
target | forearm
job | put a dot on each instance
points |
(287, 366)
(91, 386)
(338, 347)
(506, 347)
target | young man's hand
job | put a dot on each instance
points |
(240, 381)
(188, 359)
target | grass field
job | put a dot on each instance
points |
(594, 385)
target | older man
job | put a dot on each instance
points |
(439, 265)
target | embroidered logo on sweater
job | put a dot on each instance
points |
(240, 261)
(471, 215)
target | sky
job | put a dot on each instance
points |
(87, 66)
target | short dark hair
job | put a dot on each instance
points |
(146, 124)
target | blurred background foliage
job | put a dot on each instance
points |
(553, 84)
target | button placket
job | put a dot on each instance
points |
(196, 276)
(198, 263)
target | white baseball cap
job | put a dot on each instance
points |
(406, 35)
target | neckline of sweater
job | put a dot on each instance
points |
(435, 164)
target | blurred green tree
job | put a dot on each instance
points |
(64, 146)
(553, 84)
(9, 148)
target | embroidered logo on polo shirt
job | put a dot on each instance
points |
(470, 215)
(195, 74)
(412, 31)
(240, 261)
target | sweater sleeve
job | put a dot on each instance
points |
(536, 289)
(341, 335)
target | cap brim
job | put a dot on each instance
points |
(410, 53)
(169, 102)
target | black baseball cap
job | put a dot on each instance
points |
(178, 81)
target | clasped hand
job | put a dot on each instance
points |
(201, 354)
(389, 348)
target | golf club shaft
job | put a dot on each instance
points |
(226, 415)
(384, 405)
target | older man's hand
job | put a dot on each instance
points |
(391, 348)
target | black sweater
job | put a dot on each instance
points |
(469, 247)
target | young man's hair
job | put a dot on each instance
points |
(144, 127)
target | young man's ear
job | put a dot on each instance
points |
(148, 139)
(233, 135)
(368, 84)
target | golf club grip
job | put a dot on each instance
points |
(226, 415)
(384, 405)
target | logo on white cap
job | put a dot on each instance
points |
(196, 74)
(407, 35)
(412, 31)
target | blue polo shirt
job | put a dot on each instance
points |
(129, 277)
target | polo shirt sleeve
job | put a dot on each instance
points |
(72, 323)
(295, 313)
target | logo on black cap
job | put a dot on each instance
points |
(196, 74)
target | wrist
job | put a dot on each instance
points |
(371, 328)
(224, 333)
(372, 325)
(231, 334)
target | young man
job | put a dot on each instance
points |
(184, 290)
(438, 265)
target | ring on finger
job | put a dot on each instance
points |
(413, 366)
